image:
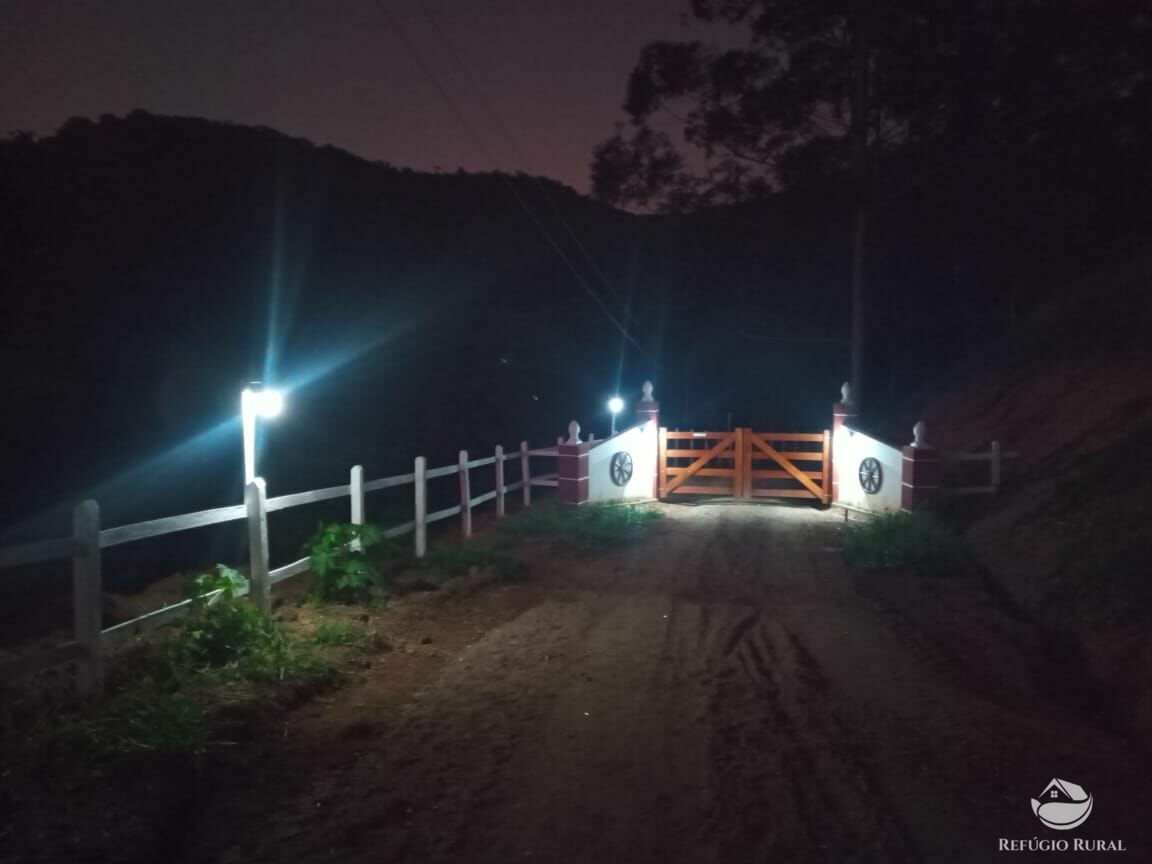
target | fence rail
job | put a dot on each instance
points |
(994, 456)
(92, 640)
(35, 553)
(169, 525)
(283, 502)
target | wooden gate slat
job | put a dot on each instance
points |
(703, 472)
(718, 491)
(678, 480)
(782, 493)
(784, 475)
(732, 457)
(769, 450)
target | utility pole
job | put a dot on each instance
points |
(860, 176)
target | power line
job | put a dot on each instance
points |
(510, 138)
(544, 232)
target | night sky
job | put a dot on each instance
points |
(337, 73)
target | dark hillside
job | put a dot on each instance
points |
(151, 265)
(1068, 535)
(401, 307)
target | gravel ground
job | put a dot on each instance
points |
(725, 691)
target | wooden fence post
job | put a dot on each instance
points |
(421, 484)
(465, 496)
(995, 465)
(356, 492)
(526, 473)
(258, 587)
(87, 598)
(499, 482)
(746, 449)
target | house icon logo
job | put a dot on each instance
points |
(1062, 805)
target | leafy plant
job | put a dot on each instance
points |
(338, 555)
(893, 541)
(227, 580)
(222, 626)
(219, 634)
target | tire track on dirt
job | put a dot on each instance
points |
(779, 733)
(721, 694)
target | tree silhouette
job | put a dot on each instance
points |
(870, 94)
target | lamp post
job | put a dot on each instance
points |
(256, 401)
(615, 405)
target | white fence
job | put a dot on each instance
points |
(994, 456)
(870, 474)
(91, 639)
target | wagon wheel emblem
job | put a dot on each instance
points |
(621, 468)
(871, 475)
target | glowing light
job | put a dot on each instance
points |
(615, 405)
(266, 403)
(256, 401)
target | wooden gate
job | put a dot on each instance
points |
(746, 464)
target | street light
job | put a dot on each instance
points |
(615, 405)
(256, 401)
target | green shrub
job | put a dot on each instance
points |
(589, 528)
(893, 541)
(229, 637)
(222, 627)
(162, 700)
(343, 574)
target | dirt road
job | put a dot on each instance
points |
(723, 692)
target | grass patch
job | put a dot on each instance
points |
(228, 638)
(164, 694)
(897, 541)
(148, 719)
(588, 529)
(457, 560)
(331, 633)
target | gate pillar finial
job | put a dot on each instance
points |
(572, 468)
(647, 408)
